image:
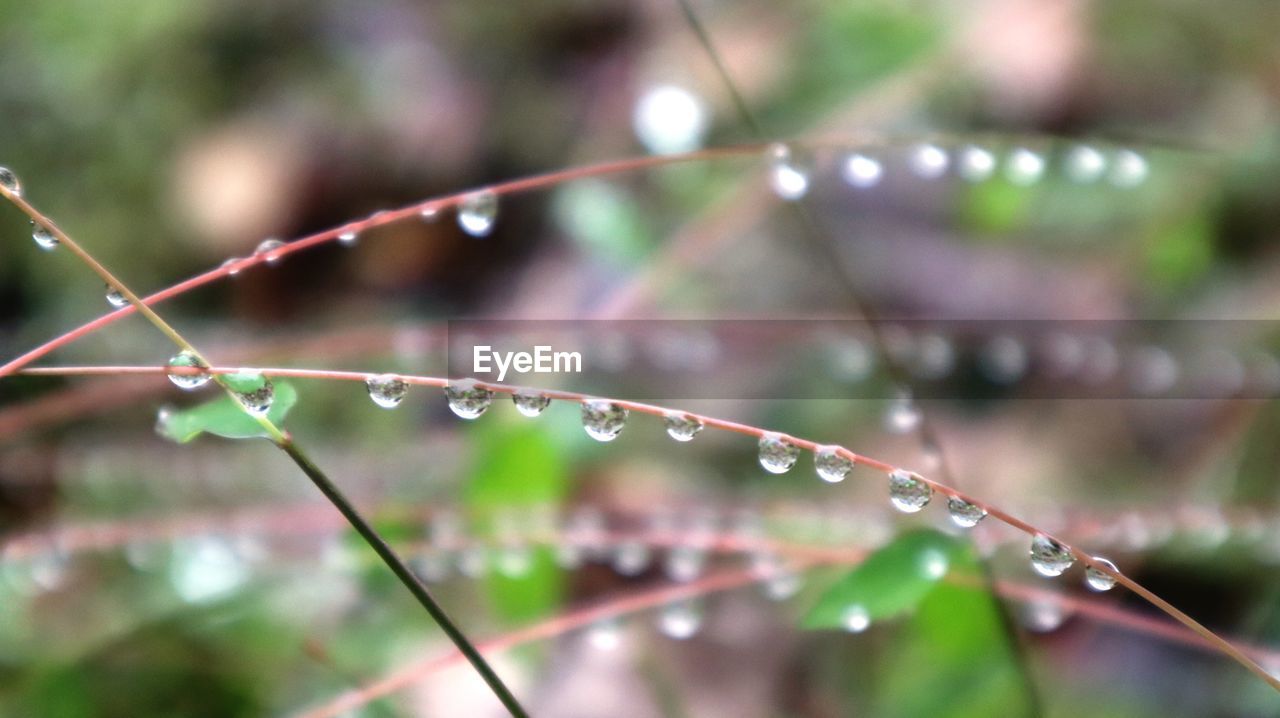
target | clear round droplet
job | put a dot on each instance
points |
(115, 298)
(1098, 580)
(387, 390)
(861, 171)
(188, 381)
(680, 620)
(603, 420)
(787, 178)
(477, 213)
(530, 404)
(229, 265)
(258, 401)
(1048, 557)
(348, 238)
(682, 427)
(467, 399)
(929, 161)
(855, 618)
(964, 514)
(43, 237)
(831, 465)
(777, 455)
(907, 492)
(10, 181)
(270, 250)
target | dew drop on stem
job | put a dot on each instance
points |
(348, 238)
(1048, 557)
(115, 298)
(831, 465)
(188, 380)
(861, 172)
(257, 401)
(603, 420)
(681, 426)
(467, 399)
(269, 249)
(789, 180)
(478, 212)
(680, 620)
(929, 161)
(387, 390)
(1098, 580)
(10, 180)
(776, 454)
(963, 513)
(907, 492)
(530, 403)
(976, 164)
(43, 236)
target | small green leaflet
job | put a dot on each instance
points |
(892, 581)
(224, 417)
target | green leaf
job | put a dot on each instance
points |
(892, 581)
(225, 417)
(518, 466)
(956, 645)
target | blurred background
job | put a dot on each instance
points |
(942, 161)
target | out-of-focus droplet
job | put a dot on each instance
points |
(269, 249)
(976, 164)
(680, 620)
(789, 180)
(478, 212)
(230, 265)
(669, 120)
(348, 238)
(861, 171)
(929, 161)
(605, 635)
(631, 558)
(1025, 167)
(1085, 164)
(1128, 169)
(855, 618)
(902, 416)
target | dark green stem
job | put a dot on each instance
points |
(402, 572)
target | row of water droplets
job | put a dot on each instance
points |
(791, 168)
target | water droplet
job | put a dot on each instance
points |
(976, 164)
(963, 513)
(788, 180)
(603, 420)
(784, 585)
(680, 620)
(855, 618)
(1043, 615)
(43, 236)
(777, 455)
(348, 238)
(934, 564)
(929, 161)
(473, 562)
(10, 181)
(605, 635)
(683, 427)
(631, 558)
(530, 403)
(1128, 169)
(907, 492)
(902, 416)
(429, 214)
(515, 561)
(668, 119)
(387, 390)
(862, 171)
(270, 249)
(204, 568)
(478, 212)
(1098, 580)
(1085, 164)
(467, 399)
(115, 298)
(684, 563)
(1048, 557)
(1025, 167)
(188, 381)
(229, 265)
(832, 466)
(258, 401)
